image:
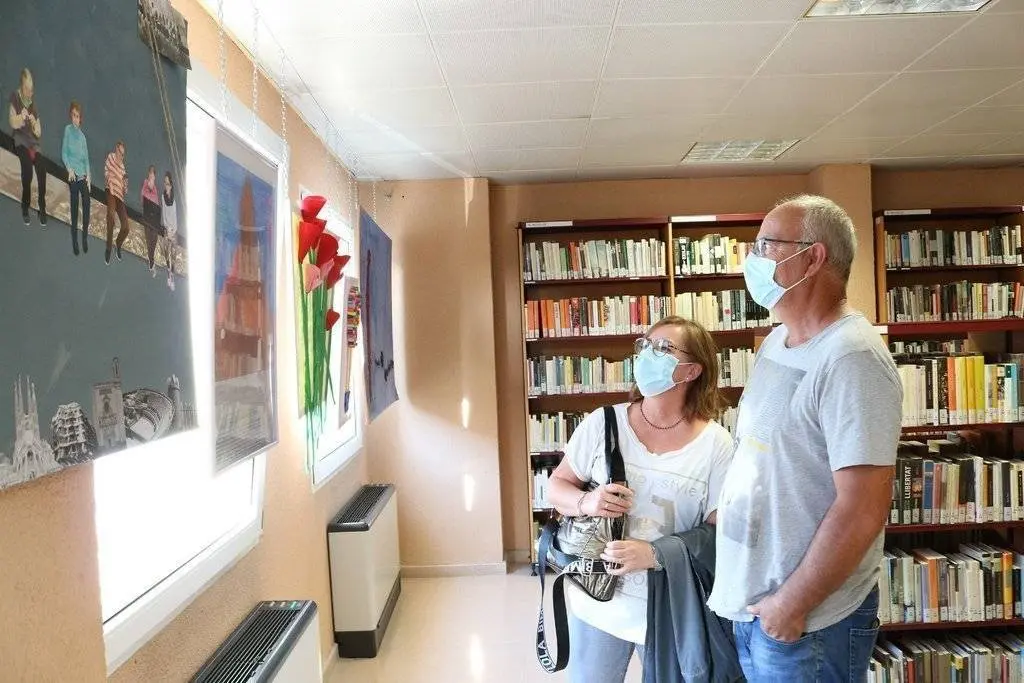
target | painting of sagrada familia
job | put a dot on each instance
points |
(118, 420)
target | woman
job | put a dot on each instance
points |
(675, 455)
(151, 215)
(27, 130)
(74, 151)
(169, 216)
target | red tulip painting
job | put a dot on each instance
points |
(319, 268)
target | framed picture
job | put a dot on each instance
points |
(375, 268)
(245, 235)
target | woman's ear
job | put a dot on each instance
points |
(691, 371)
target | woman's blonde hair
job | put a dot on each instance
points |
(703, 400)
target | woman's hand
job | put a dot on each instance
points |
(607, 500)
(630, 555)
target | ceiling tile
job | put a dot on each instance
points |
(524, 101)
(912, 163)
(739, 169)
(561, 175)
(800, 96)
(945, 145)
(877, 122)
(699, 11)
(942, 88)
(839, 149)
(691, 50)
(396, 108)
(689, 96)
(418, 166)
(548, 54)
(744, 127)
(527, 159)
(984, 120)
(649, 130)
(991, 40)
(377, 62)
(1013, 144)
(445, 15)
(434, 139)
(634, 155)
(565, 133)
(1004, 6)
(858, 45)
(1012, 96)
(333, 18)
(988, 161)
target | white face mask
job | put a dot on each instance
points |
(759, 276)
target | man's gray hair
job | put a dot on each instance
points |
(826, 222)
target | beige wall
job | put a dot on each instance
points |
(446, 471)
(962, 187)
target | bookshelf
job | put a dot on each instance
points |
(611, 279)
(950, 300)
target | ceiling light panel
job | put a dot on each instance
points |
(833, 8)
(732, 151)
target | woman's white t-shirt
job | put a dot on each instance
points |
(672, 492)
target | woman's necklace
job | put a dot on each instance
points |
(644, 415)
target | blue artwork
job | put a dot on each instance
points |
(375, 274)
(244, 286)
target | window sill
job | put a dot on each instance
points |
(335, 462)
(127, 632)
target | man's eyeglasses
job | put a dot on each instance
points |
(660, 346)
(763, 244)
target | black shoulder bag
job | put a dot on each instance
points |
(572, 546)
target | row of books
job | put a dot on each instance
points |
(997, 245)
(730, 309)
(962, 388)
(960, 658)
(955, 301)
(586, 317)
(918, 347)
(550, 375)
(709, 255)
(940, 482)
(541, 476)
(610, 258)
(980, 582)
(734, 367)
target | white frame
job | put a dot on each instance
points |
(333, 452)
(131, 628)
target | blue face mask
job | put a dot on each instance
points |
(759, 276)
(653, 372)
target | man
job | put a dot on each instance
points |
(117, 184)
(804, 504)
(27, 131)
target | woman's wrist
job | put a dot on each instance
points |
(655, 561)
(579, 503)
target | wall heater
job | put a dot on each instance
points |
(279, 642)
(362, 545)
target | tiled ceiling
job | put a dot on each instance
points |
(555, 90)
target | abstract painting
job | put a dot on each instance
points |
(97, 353)
(244, 284)
(375, 274)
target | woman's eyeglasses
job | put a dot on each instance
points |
(660, 346)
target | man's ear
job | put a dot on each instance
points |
(819, 257)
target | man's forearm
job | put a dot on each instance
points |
(836, 550)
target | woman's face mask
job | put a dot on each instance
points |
(654, 366)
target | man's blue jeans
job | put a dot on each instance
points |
(840, 652)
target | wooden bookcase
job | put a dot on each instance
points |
(985, 334)
(740, 227)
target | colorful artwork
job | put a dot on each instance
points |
(97, 355)
(319, 267)
(244, 284)
(163, 28)
(375, 267)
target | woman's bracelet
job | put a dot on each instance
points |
(654, 554)
(579, 504)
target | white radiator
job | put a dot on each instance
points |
(278, 642)
(362, 545)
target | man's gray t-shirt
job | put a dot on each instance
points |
(833, 402)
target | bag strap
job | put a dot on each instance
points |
(614, 464)
(558, 604)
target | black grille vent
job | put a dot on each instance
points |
(360, 512)
(256, 649)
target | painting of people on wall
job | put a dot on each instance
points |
(97, 357)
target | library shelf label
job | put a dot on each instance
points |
(549, 224)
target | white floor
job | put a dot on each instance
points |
(460, 630)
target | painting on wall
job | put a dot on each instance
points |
(164, 29)
(97, 353)
(244, 319)
(375, 272)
